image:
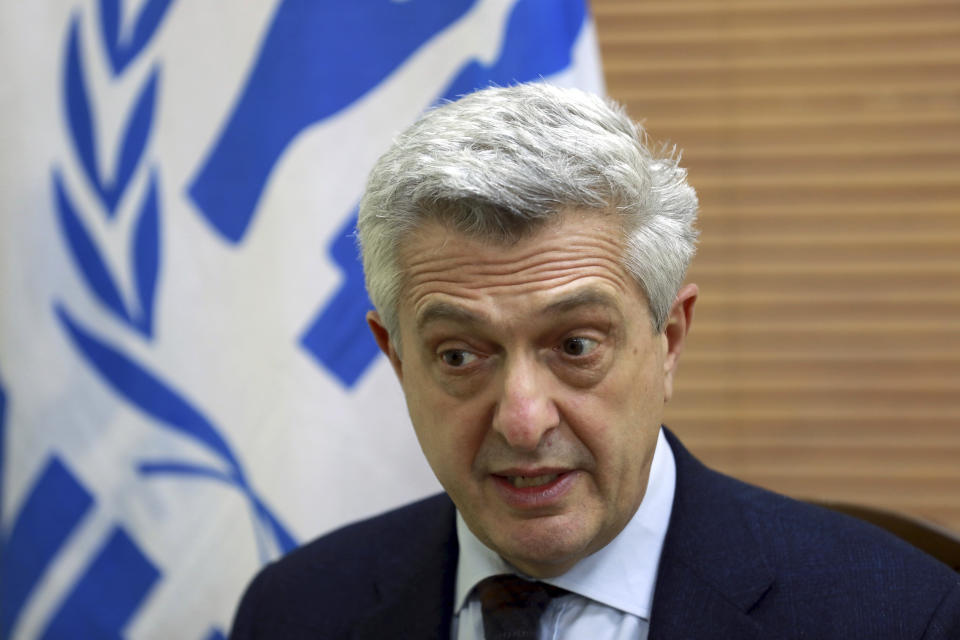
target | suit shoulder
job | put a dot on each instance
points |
(821, 556)
(332, 580)
(798, 566)
(793, 533)
(792, 529)
(794, 526)
(362, 542)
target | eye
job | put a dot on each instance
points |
(578, 346)
(457, 357)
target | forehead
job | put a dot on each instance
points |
(574, 260)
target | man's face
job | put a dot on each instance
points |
(536, 382)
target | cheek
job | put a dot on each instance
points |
(617, 418)
(597, 422)
(450, 431)
(428, 430)
(646, 381)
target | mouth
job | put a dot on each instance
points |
(536, 488)
(524, 482)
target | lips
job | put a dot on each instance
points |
(533, 489)
(523, 482)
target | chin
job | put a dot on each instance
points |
(543, 549)
(542, 563)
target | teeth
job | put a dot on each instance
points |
(532, 481)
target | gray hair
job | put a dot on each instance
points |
(500, 162)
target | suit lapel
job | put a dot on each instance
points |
(712, 569)
(416, 589)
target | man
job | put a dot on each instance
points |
(525, 252)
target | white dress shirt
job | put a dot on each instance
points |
(611, 590)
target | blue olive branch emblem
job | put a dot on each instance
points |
(133, 381)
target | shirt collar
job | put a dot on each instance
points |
(621, 575)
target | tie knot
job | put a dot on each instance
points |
(512, 606)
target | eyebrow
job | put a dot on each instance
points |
(440, 311)
(584, 298)
(436, 311)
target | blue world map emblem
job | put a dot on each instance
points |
(307, 69)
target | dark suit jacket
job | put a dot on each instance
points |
(738, 562)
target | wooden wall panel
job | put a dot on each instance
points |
(823, 137)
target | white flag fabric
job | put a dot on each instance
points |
(187, 384)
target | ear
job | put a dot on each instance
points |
(678, 324)
(382, 336)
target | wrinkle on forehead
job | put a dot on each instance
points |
(440, 262)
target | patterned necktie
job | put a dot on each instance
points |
(512, 606)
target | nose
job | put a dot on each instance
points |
(526, 411)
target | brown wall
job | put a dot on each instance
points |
(823, 137)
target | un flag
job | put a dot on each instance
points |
(187, 387)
